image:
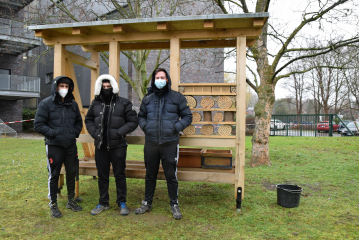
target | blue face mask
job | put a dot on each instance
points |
(160, 83)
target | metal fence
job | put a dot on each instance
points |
(311, 125)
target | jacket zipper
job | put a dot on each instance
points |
(160, 111)
(108, 125)
(103, 114)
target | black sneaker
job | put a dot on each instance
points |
(73, 205)
(144, 208)
(55, 212)
(176, 212)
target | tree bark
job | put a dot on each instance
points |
(260, 139)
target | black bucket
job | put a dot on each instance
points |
(288, 195)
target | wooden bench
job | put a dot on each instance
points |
(136, 169)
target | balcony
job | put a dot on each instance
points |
(13, 87)
(15, 38)
(14, 5)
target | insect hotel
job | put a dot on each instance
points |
(220, 104)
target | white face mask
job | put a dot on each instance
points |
(63, 92)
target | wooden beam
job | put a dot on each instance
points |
(154, 36)
(42, 33)
(80, 31)
(95, 72)
(240, 117)
(80, 60)
(114, 61)
(119, 28)
(163, 26)
(166, 45)
(191, 176)
(89, 149)
(59, 60)
(196, 142)
(208, 24)
(258, 22)
(175, 62)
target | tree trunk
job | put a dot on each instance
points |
(263, 111)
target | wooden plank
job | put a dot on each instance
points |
(42, 33)
(207, 84)
(119, 28)
(198, 141)
(166, 45)
(59, 60)
(89, 149)
(209, 94)
(80, 60)
(258, 22)
(213, 122)
(208, 24)
(191, 176)
(114, 61)
(241, 110)
(95, 72)
(154, 36)
(175, 63)
(213, 109)
(163, 26)
(80, 31)
(206, 136)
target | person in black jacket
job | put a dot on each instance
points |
(108, 120)
(58, 118)
(159, 118)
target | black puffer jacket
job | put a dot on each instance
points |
(60, 122)
(122, 119)
(160, 114)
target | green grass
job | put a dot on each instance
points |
(326, 168)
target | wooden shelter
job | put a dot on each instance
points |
(174, 33)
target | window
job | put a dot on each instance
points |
(49, 78)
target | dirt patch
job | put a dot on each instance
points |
(269, 186)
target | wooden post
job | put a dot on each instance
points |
(241, 114)
(114, 61)
(59, 60)
(95, 56)
(175, 62)
(89, 149)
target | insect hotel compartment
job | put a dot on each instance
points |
(220, 159)
(190, 157)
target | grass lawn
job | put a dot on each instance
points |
(326, 168)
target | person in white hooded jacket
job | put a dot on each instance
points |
(109, 119)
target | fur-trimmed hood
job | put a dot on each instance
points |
(113, 82)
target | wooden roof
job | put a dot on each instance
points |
(194, 28)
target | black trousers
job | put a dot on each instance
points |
(169, 156)
(56, 156)
(116, 157)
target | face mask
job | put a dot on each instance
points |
(160, 83)
(107, 92)
(63, 92)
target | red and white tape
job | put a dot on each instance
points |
(18, 121)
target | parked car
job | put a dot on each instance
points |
(323, 126)
(352, 127)
(277, 125)
(342, 126)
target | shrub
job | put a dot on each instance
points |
(28, 114)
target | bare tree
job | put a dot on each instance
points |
(52, 11)
(272, 65)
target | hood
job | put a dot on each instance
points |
(54, 88)
(150, 89)
(113, 82)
